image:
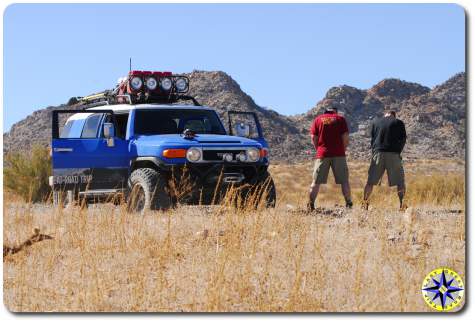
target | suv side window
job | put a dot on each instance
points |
(91, 126)
(66, 129)
(121, 124)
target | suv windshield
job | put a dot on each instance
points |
(150, 122)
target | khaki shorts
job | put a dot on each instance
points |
(386, 161)
(322, 167)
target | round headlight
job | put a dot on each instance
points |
(193, 154)
(166, 84)
(181, 84)
(151, 83)
(241, 157)
(136, 83)
(252, 154)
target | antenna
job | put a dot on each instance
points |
(130, 64)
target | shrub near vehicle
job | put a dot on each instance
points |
(139, 142)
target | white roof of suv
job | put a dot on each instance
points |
(128, 107)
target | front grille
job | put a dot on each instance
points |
(217, 155)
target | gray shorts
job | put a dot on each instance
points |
(322, 168)
(386, 161)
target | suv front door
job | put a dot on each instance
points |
(238, 121)
(83, 159)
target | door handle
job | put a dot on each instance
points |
(63, 149)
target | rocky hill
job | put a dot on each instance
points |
(435, 118)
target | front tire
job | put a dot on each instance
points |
(148, 190)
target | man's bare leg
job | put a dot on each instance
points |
(401, 190)
(346, 191)
(312, 196)
(368, 189)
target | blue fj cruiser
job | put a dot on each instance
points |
(137, 142)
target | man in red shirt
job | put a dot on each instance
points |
(330, 138)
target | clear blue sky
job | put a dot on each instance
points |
(285, 56)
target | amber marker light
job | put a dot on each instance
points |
(174, 153)
(264, 152)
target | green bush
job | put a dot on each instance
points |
(27, 174)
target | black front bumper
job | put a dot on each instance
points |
(208, 182)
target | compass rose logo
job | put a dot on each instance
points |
(443, 289)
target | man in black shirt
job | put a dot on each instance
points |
(388, 137)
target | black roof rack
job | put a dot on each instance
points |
(113, 98)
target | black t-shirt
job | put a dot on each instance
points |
(388, 134)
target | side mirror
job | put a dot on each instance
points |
(109, 130)
(109, 133)
(243, 130)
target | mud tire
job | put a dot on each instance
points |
(147, 190)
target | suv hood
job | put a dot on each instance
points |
(200, 139)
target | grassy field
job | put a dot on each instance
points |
(220, 259)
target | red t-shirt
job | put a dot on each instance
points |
(329, 127)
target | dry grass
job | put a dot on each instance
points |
(429, 183)
(221, 259)
(26, 174)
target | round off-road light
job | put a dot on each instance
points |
(181, 84)
(136, 83)
(193, 154)
(241, 157)
(228, 157)
(151, 83)
(252, 154)
(166, 83)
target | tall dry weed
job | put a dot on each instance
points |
(27, 174)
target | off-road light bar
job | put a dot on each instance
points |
(156, 82)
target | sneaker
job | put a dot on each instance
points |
(349, 204)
